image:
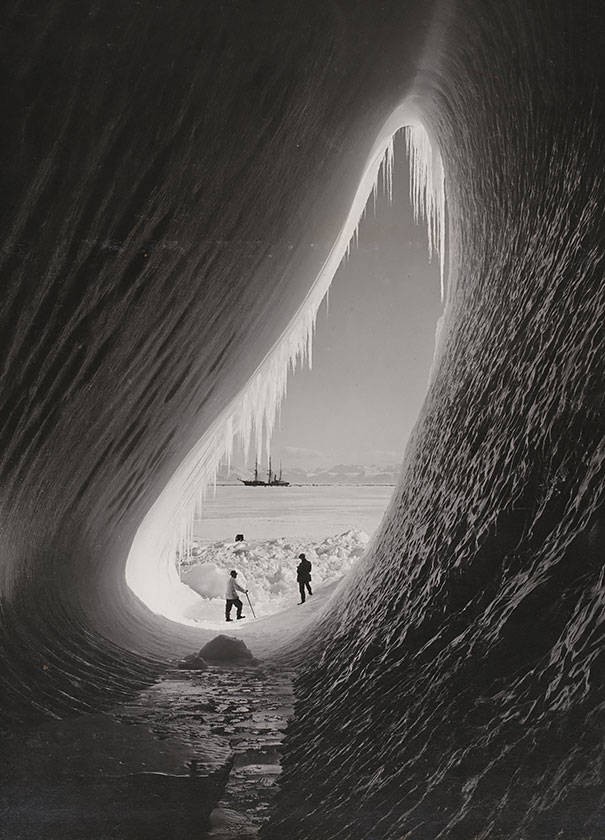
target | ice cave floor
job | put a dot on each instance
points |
(195, 755)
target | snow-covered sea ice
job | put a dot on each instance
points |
(267, 568)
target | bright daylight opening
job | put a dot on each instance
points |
(191, 539)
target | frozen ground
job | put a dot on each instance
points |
(267, 568)
(309, 513)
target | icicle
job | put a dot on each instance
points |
(427, 192)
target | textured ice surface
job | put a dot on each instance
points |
(166, 172)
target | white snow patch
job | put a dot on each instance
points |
(267, 568)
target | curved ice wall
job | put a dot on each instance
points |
(167, 171)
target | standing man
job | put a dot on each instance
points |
(232, 598)
(303, 576)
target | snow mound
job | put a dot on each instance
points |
(267, 569)
(207, 579)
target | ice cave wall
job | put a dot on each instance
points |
(174, 180)
(168, 175)
(456, 688)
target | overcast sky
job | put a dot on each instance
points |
(373, 346)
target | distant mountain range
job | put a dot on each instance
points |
(338, 474)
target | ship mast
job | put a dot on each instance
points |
(269, 469)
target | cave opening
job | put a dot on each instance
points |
(175, 567)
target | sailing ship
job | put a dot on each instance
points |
(256, 481)
(273, 480)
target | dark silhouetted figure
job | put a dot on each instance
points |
(232, 598)
(303, 576)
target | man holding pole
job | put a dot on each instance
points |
(232, 597)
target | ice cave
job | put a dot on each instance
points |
(166, 165)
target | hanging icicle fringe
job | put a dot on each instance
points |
(427, 192)
(252, 415)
